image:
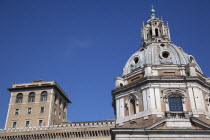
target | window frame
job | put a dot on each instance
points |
(29, 108)
(14, 122)
(31, 97)
(27, 125)
(17, 112)
(41, 109)
(19, 98)
(136, 105)
(174, 92)
(175, 104)
(43, 96)
(42, 122)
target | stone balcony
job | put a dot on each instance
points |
(177, 120)
(176, 115)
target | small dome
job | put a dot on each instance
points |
(158, 54)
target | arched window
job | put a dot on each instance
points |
(132, 107)
(175, 104)
(43, 96)
(19, 98)
(31, 97)
(156, 32)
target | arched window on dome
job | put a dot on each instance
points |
(44, 96)
(19, 98)
(156, 32)
(192, 60)
(132, 107)
(31, 97)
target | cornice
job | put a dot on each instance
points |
(162, 79)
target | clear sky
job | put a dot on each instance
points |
(84, 44)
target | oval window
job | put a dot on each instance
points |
(165, 54)
(136, 60)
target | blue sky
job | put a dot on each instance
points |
(84, 44)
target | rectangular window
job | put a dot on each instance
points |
(175, 104)
(14, 124)
(17, 111)
(40, 122)
(29, 110)
(27, 123)
(42, 109)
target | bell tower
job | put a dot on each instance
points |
(155, 31)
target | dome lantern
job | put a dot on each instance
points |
(155, 31)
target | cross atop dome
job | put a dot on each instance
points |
(152, 12)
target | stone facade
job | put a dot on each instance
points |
(40, 103)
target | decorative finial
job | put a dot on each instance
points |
(153, 12)
(143, 23)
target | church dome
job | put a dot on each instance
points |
(157, 49)
(157, 54)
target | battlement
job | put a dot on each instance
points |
(74, 129)
(72, 125)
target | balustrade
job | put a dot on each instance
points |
(176, 115)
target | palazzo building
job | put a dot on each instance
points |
(38, 110)
(162, 94)
(39, 103)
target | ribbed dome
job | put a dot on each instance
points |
(158, 54)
